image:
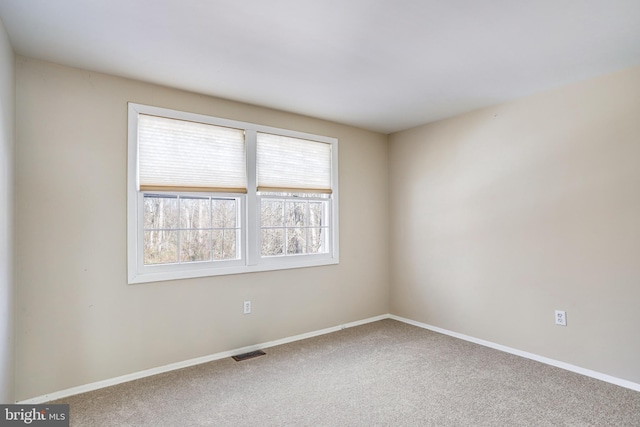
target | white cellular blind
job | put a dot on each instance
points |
(286, 164)
(178, 155)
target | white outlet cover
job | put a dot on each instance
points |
(561, 318)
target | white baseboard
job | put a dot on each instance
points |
(204, 359)
(527, 355)
(191, 362)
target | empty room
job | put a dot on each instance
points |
(355, 213)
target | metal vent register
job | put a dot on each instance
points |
(250, 355)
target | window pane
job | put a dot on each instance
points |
(224, 213)
(160, 212)
(272, 242)
(160, 247)
(224, 244)
(316, 214)
(230, 237)
(195, 245)
(195, 212)
(317, 244)
(296, 214)
(271, 214)
(296, 240)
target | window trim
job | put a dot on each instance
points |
(251, 261)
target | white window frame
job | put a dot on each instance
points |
(251, 260)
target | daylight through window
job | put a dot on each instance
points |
(210, 196)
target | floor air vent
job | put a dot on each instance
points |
(250, 355)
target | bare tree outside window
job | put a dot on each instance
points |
(226, 232)
(160, 235)
(195, 223)
(272, 233)
(181, 229)
(291, 226)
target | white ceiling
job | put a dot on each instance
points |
(377, 64)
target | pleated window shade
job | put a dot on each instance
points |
(179, 155)
(295, 165)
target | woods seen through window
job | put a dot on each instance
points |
(210, 196)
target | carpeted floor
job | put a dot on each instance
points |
(385, 373)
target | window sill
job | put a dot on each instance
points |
(152, 274)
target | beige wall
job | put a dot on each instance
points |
(497, 218)
(79, 321)
(501, 216)
(7, 308)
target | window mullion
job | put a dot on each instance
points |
(179, 230)
(211, 228)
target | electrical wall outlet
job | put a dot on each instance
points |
(247, 307)
(561, 318)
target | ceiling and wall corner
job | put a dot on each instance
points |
(379, 65)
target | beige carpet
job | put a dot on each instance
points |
(385, 373)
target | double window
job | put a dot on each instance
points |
(210, 196)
